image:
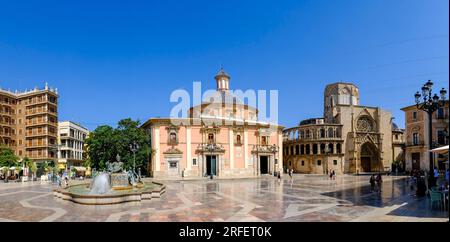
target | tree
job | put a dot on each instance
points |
(129, 132)
(102, 148)
(105, 143)
(33, 169)
(7, 157)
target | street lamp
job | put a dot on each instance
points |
(430, 104)
(327, 153)
(134, 147)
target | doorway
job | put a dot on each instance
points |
(415, 161)
(264, 164)
(366, 164)
(211, 165)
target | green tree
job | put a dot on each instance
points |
(105, 143)
(101, 146)
(129, 132)
(7, 157)
(33, 169)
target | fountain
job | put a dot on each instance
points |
(113, 186)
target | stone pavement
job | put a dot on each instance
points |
(307, 198)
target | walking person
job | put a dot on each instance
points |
(379, 181)
(279, 177)
(334, 175)
(372, 183)
(331, 174)
(290, 175)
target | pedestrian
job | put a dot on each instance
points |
(379, 181)
(290, 174)
(331, 174)
(279, 177)
(66, 181)
(372, 183)
(334, 175)
(436, 177)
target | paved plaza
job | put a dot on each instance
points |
(307, 198)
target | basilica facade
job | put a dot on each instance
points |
(350, 138)
(222, 137)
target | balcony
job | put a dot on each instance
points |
(37, 134)
(265, 149)
(415, 144)
(41, 123)
(40, 112)
(212, 148)
(40, 102)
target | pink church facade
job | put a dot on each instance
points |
(221, 138)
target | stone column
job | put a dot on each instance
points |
(280, 152)
(246, 149)
(157, 149)
(188, 149)
(231, 142)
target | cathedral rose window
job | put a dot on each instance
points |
(364, 124)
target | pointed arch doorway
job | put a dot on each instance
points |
(370, 158)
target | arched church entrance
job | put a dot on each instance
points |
(370, 161)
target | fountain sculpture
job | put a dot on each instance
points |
(115, 185)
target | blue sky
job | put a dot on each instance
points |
(117, 59)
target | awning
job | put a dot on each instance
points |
(79, 168)
(441, 150)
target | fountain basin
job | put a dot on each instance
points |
(80, 194)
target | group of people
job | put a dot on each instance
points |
(332, 175)
(376, 183)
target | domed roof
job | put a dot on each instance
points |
(222, 73)
(222, 97)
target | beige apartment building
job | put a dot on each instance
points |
(29, 122)
(416, 123)
(350, 138)
(71, 137)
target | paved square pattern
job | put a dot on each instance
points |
(306, 198)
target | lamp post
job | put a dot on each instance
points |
(327, 153)
(134, 147)
(430, 104)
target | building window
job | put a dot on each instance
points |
(292, 150)
(194, 162)
(210, 138)
(415, 138)
(238, 139)
(322, 133)
(264, 140)
(441, 137)
(396, 137)
(319, 162)
(440, 113)
(330, 133)
(302, 149)
(303, 163)
(308, 149)
(338, 149)
(173, 138)
(414, 115)
(335, 162)
(297, 149)
(173, 164)
(315, 148)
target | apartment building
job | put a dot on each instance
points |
(29, 121)
(71, 137)
(416, 123)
